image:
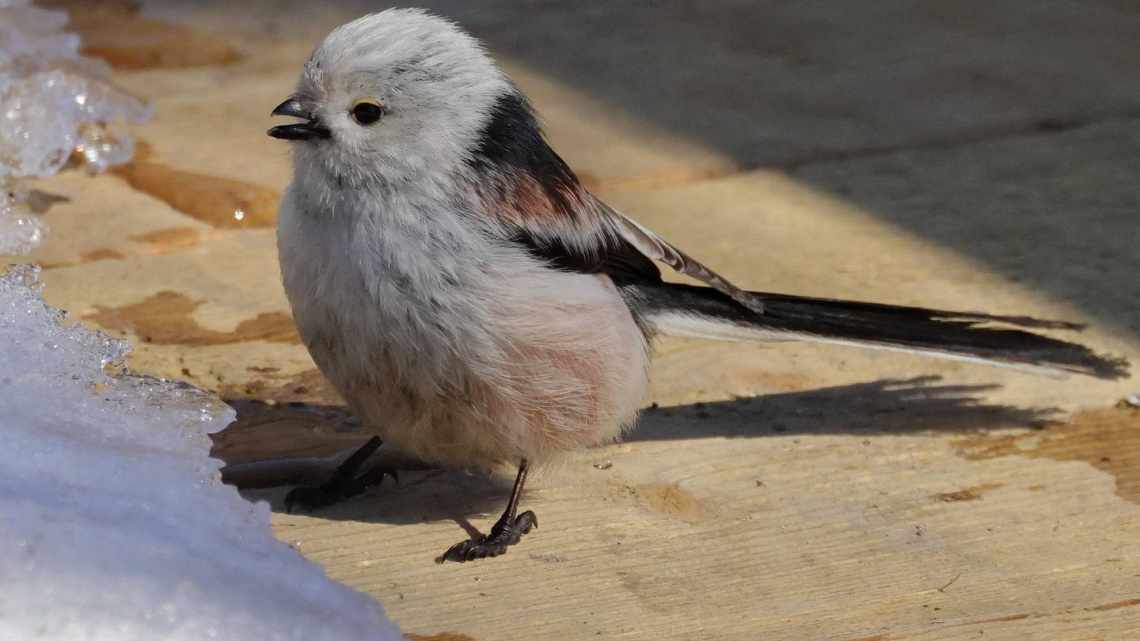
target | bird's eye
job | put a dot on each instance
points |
(367, 112)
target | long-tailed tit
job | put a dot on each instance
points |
(475, 305)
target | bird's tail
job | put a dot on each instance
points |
(700, 312)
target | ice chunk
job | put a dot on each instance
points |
(20, 229)
(114, 522)
(56, 107)
(30, 32)
(54, 101)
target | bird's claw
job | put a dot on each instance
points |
(504, 534)
(338, 488)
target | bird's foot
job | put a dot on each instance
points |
(506, 532)
(337, 489)
(345, 482)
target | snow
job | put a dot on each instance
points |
(56, 107)
(113, 521)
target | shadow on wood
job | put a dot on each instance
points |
(317, 433)
(887, 406)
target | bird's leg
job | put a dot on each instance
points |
(344, 483)
(507, 531)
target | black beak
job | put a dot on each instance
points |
(311, 129)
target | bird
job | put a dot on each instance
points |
(476, 306)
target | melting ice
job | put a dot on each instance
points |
(56, 107)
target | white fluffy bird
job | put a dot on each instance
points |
(475, 305)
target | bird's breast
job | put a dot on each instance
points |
(456, 351)
(386, 296)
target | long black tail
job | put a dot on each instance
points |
(706, 313)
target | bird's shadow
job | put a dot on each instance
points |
(888, 406)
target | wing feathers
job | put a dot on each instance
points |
(653, 246)
(530, 197)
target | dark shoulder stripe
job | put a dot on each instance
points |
(512, 142)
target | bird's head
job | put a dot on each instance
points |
(393, 97)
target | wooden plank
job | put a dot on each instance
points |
(780, 491)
